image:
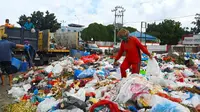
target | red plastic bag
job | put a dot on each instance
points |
(111, 105)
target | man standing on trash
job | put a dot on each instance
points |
(132, 46)
(6, 57)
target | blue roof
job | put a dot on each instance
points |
(138, 35)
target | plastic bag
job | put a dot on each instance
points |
(32, 30)
(125, 93)
(188, 73)
(72, 103)
(195, 100)
(73, 110)
(158, 80)
(91, 83)
(164, 105)
(57, 70)
(26, 87)
(17, 92)
(79, 95)
(116, 75)
(86, 73)
(48, 69)
(153, 68)
(47, 104)
(76, 73)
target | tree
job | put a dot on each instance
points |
(169, 31)
(41, 21)
(196, 29)
(100, 32)
(130, 29)
(96, 31)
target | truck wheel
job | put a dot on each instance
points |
(50, 60)
(39, 62)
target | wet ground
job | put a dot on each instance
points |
(4, 97)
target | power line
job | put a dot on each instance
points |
(163, 19)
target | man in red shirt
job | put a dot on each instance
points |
(132, 46)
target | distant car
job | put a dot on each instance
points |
(116, 47)
(93, 49)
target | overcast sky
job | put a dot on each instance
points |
(88, 11)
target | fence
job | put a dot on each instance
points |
(102, 43)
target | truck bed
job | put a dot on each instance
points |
(19, 35)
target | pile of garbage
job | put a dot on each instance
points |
(92, 83)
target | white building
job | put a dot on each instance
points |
(73, 28)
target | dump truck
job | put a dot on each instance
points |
(41, 42)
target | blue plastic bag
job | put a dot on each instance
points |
(86, 73)
(168, 106)
(76, 73)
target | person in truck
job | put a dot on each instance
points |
(131, 46)
(29, 25)
(7, 24)
(6, 57)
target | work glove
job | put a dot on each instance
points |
(26, 47)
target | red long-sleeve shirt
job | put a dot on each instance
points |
(132, 49)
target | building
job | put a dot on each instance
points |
(192, 40)
(73, 28)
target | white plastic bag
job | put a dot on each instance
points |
(26, 87)
(188, 73)
(125, 93)
(57, 70)
(17, 92)
(32, 30)
(116, 75)
(153, 68)
(47, 104)
(158, 80)
(48, 69)
(79, 95)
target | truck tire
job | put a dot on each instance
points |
(39, 62)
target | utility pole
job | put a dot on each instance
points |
(119, 13)
(143, 26)
(63, 22)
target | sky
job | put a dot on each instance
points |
(85, 12)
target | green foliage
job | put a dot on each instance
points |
(130, 29)
(196, 29)
(169, 31)
(41, 21)
(100, 32)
